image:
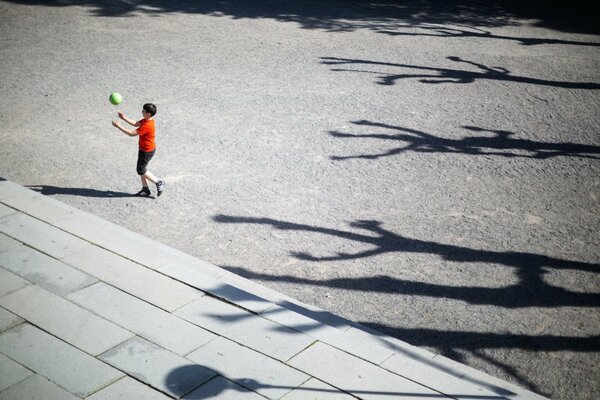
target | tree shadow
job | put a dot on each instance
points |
(478, 33)
(502, 144)
(437, 75)
(449, 344)
(530, 291)
(83, 192)
(514, 296)
(351, 15)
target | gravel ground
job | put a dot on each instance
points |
(430, 171)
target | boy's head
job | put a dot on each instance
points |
(149, 108)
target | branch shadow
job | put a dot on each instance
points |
(83, 192)
(437, 75)
(502, 144)
(318, 319)
(464, 340)
(512, 297)
(530, 291)
(477, 33)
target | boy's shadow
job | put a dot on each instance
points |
(84, 192)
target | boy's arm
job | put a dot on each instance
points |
(125, 131)
(128, 120)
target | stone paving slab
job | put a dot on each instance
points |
(428, 373)
(358, 377)
(40, 235)
(133, 278)
(67, 321)
(181, 258)
(218, 288)
(128, 389)
(327, 334)
(4, 210)
(40, 207)
(243, 292)
(11, 372)
(36, 387)
(223, 389)
(7, 243)
(72, 369)
(8, 319)
(246, 328)
(9, 189)
(116, 239)
(314, 389)
(472, 375)
(157, 367)
(145, 320)
(43, 270)
(248, 368)
(10, 282)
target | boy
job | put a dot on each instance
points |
(145, 130)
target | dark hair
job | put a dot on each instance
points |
(150, 108)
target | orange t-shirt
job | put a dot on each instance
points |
(146, 134)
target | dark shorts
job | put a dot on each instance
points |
(144, 158)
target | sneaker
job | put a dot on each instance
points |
(160, 186)
(145, 192)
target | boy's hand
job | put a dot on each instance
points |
(121, 115)
(116, 124)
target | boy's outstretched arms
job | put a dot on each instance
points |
(125, 131)
(128, 120)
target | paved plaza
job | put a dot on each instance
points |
(428, 170)
(90, 310)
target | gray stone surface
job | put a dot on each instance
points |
(128, 389)
(10, 282)
(118, 240)
(36, 387)
(4, 210)
(67, 321)
(40, 235)
(133, 278)
(45, 271)
(7, 243)
(11, 372)
(491, 383)
(248, 368)
(314, 389)
(42, 353)
(223, 389)
(8, 319)
(439, 377)
(39, 206)
(144, 319)
(356, 376)
(246, 328)
(157, 367)
(370, 350)
(9, 189)
(199, 279)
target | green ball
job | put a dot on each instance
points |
(115, 99)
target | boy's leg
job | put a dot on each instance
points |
(145, 175)
(142, 162)
(149, 176)
(160, 185)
